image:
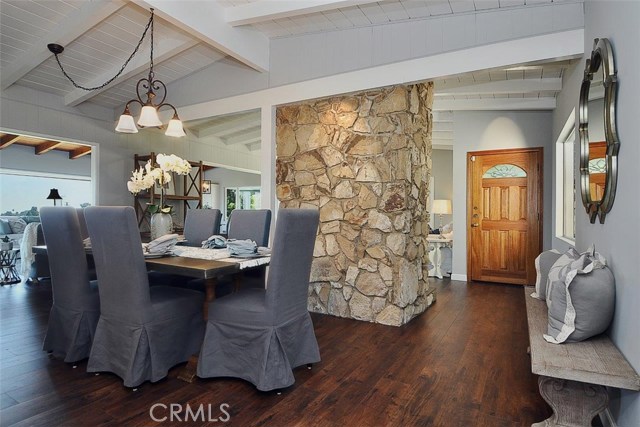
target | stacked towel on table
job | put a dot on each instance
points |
(242, 247)
(161, 245)
(215, 242)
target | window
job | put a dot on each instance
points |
(241, 198)
(565, 183)
(505, 171)
(24, 194)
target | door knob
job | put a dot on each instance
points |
(475, 225)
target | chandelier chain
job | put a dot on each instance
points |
(144, 34)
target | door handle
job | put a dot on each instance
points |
(475, 225)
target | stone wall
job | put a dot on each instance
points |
(364, 160)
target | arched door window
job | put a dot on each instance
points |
(505, 171)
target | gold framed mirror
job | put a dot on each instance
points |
(598, 135)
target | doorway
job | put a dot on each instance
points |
(504, 214)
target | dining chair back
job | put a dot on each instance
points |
(120, 265)
(142, 331)
(290, 266)
(83, 223)
(250, 224)
(200, 224)
(76, 305)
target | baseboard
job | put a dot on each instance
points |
(461, 277)
(607, 419)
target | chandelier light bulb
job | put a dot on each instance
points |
(175, 128)
(149, 117)
(126, 124)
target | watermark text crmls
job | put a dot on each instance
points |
(160, 412)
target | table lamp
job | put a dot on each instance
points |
(441, 207)
(54, 195)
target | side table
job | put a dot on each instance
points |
(8, 273)
(435, 245)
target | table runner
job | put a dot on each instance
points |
(219, 255)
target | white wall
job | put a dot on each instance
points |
(475, 131)
(442, 172)
(23, 158)
(618, 238)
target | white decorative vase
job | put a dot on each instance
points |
(161, 224)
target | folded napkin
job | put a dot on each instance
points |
(242, 247)
(162, 244)
(215, 242)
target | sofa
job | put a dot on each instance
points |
(13, 227)
(16, 225)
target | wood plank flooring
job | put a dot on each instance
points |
(462, 363)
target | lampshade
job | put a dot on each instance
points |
(126, 124)
(149, 117)
(54, 195)
(441, 206)
(175, 128)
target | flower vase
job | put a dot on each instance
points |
(161, 224)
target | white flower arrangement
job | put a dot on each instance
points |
(146, 177)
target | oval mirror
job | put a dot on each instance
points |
(598, 136)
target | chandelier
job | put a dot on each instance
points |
(147, 86)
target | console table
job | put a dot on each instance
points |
(436, 244)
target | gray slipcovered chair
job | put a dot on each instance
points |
(142, 331)
(84, 232)
(200, 224)
(40, 265)
(254, 225)
(260, 335)
(76, 304)
(250, 224)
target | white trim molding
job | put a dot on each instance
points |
(460, 277)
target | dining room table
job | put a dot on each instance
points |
(191, 263)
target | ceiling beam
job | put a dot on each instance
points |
(46, 146)
(165, 49)
(230, 126)
(547, 103)
(260, 11)
(76, 153)
(499, 87)
(442, 126)
(205, 21)
(442, 116)
(8, 139)
(253, 135)
(70, 28)
(255, 146)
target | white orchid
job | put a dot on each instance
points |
(145, 177)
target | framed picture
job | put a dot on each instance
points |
(206, 186)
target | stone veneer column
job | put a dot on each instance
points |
(364, 160)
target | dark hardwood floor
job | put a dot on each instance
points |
(462, 363)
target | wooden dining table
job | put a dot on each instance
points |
(208, 270)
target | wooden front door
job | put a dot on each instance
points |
(504, 212)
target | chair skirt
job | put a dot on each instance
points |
(263, 355)
(71, 332)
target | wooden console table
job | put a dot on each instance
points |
(573, 376)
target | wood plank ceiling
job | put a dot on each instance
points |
(43, 146)
(99, 35)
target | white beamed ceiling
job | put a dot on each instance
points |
(95, 51)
